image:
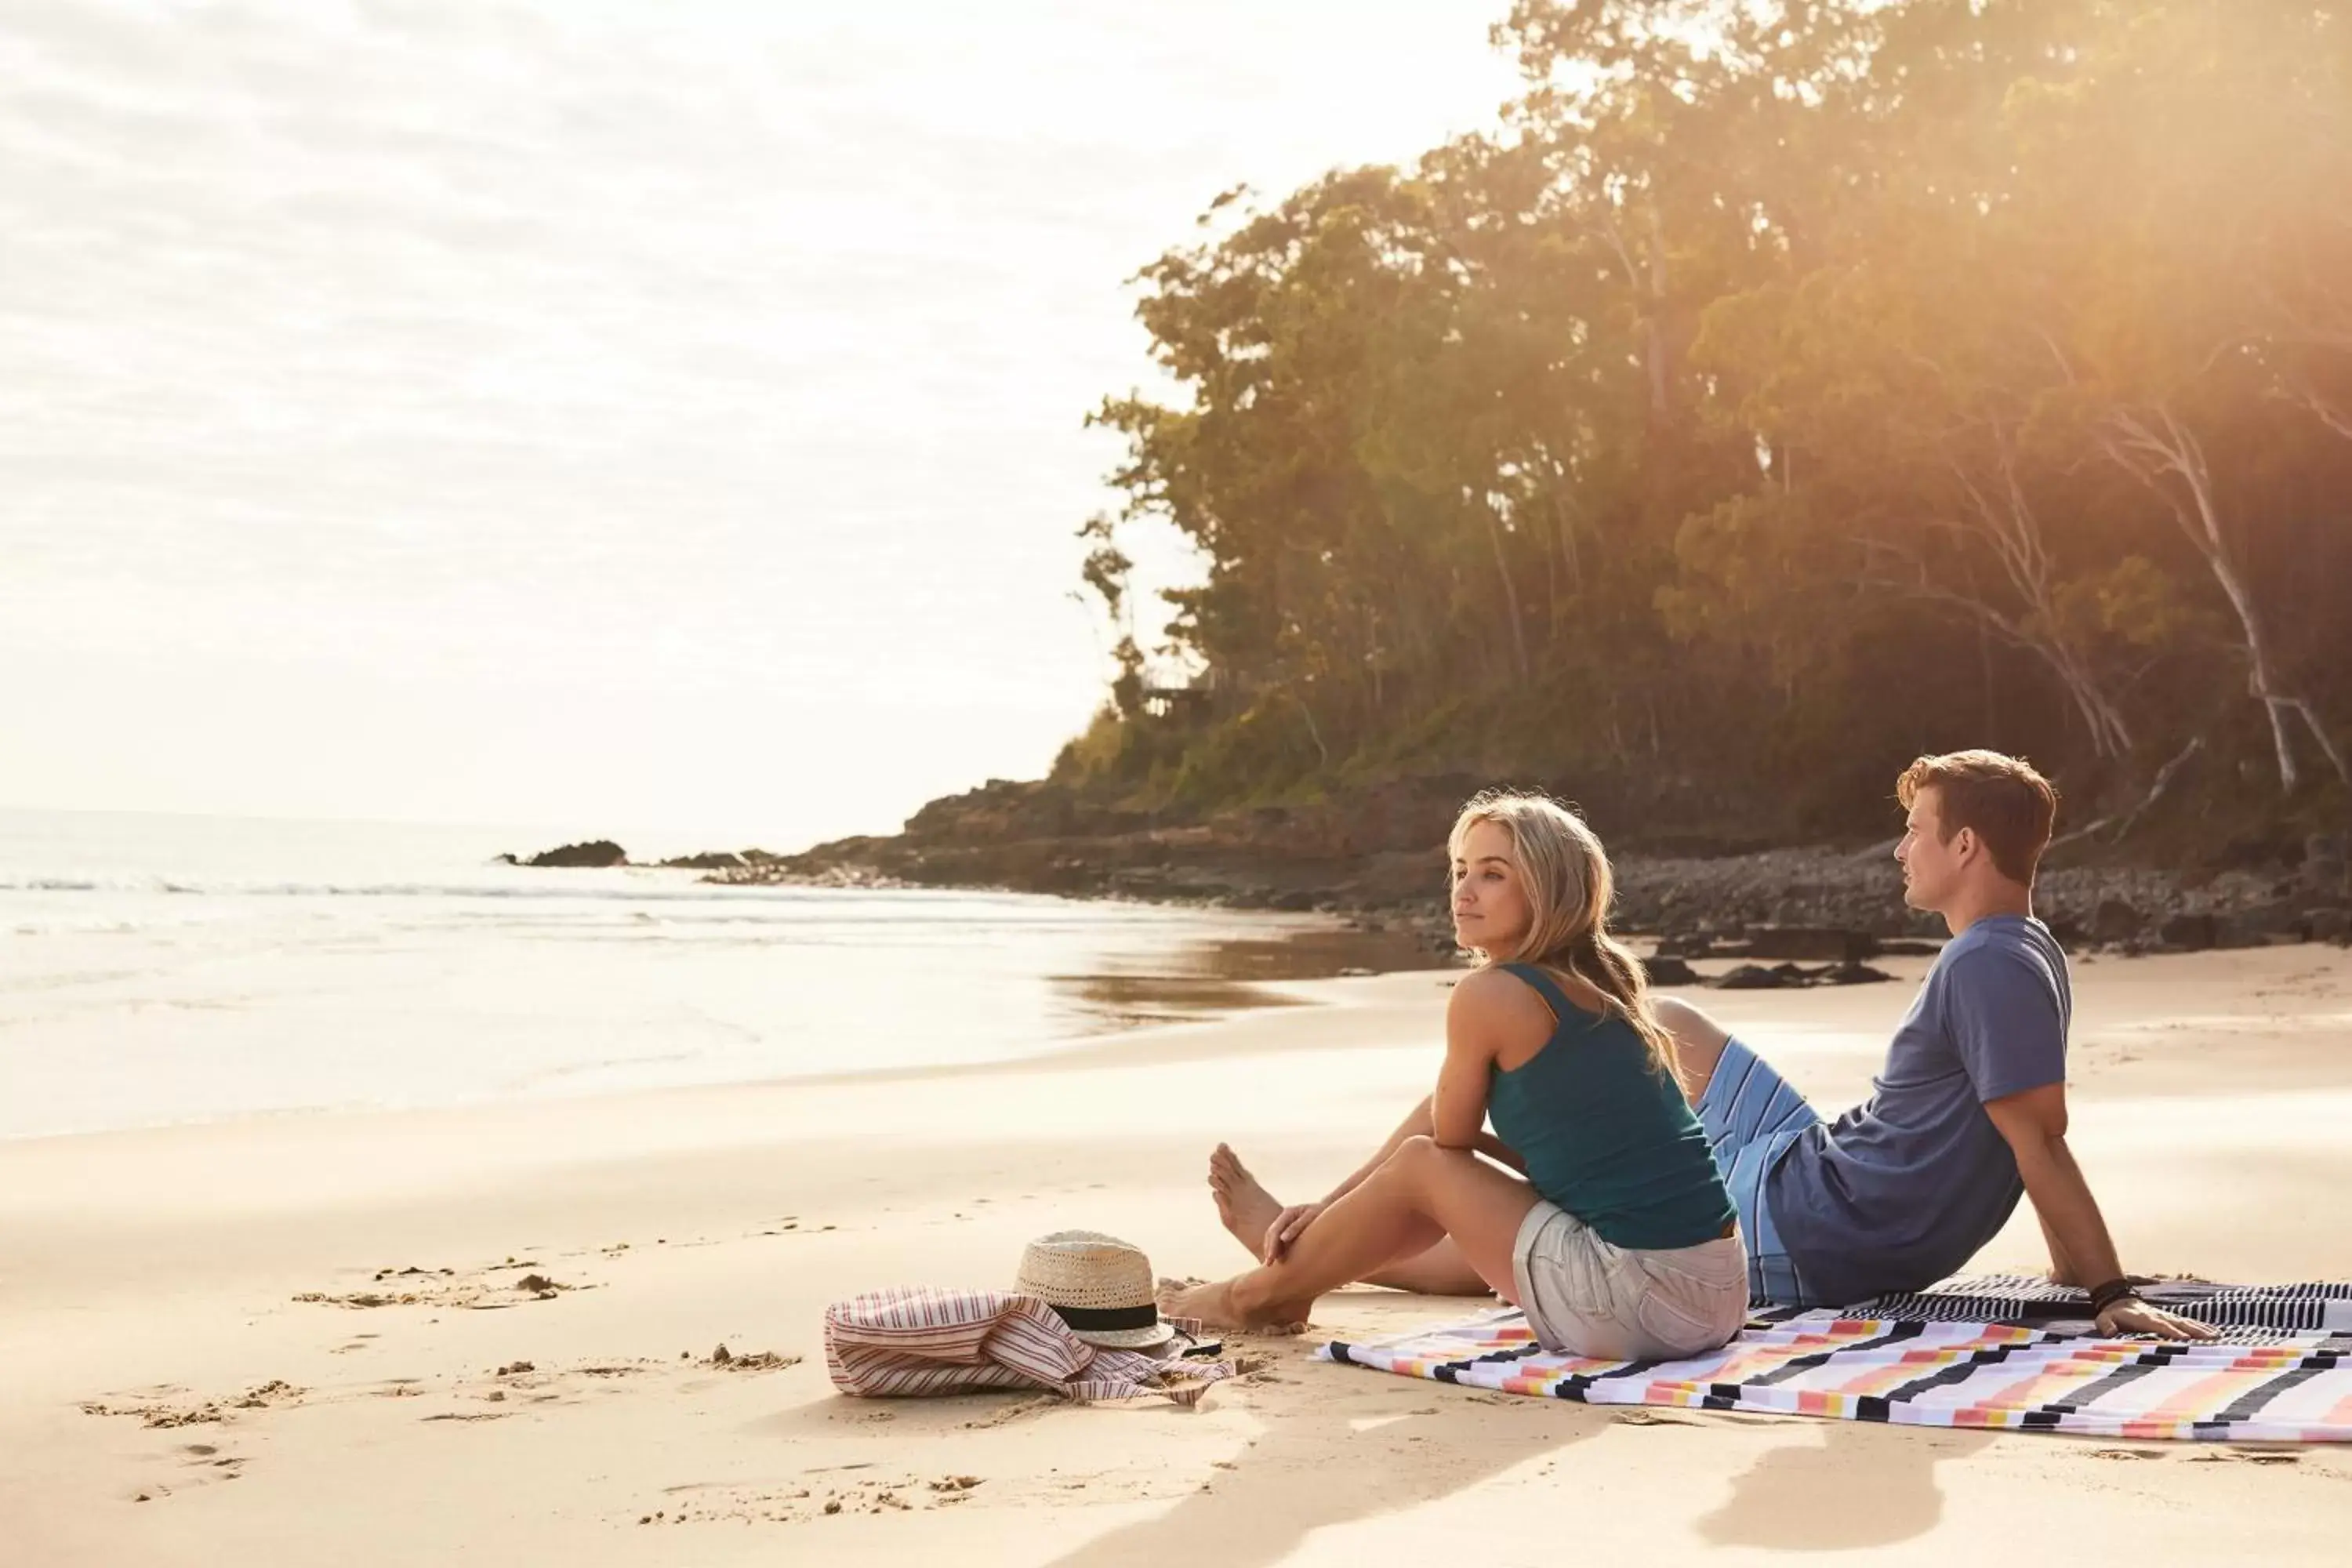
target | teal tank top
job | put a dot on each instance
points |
(1604, 1136)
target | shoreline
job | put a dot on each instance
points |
(162, 1276)
(1091, 996)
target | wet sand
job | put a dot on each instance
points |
(213, 1348)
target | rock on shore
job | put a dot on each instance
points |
(1379, 857)
(596, 853)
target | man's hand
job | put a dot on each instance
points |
(2133, 1316)
(1287, 1226)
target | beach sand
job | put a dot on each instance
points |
(155, 1277)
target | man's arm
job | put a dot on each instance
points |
(2081, 1251)
(2062, 1268)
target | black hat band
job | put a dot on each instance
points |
(1101, 1318)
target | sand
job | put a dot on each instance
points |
(213, 1349)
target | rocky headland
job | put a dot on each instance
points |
(1377, 860)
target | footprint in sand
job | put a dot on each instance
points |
(200, 1465)
(207, 1456)
(719, 1502)
(167, 1412)
(481, 1290)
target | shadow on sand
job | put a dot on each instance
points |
(1853, 1485)
(1403, 1449)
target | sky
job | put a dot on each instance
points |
(605, 412)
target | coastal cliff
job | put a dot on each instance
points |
(1378, 857)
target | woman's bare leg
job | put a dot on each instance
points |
(1698, 1041)
(1246, 1209)
(1440, 1272)
(1420, 1195)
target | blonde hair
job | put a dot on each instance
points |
(1569, 886)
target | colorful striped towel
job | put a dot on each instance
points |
(2247, 1314)
(1890, 1361)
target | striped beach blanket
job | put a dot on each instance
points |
(2007, 1355)
(2246, 1314)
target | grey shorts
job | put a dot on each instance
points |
(1589, 1297)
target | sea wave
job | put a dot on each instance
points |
(644, 887)
(356, 889)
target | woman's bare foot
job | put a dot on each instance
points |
(1217, 1305)
(1246, 1208)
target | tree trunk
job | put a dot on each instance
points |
(1510, 596)
(2159, 446)
(1568, 553)
(2008, 525)
(1657, 314)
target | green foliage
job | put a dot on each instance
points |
(1777, 390)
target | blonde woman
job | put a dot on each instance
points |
(1621, 1241)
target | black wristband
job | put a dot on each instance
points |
(2105, 1296)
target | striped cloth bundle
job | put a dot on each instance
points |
(917, 1340)
(1897, 1360)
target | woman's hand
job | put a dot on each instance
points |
(1288, 1227)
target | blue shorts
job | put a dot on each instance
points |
(1752, 1116)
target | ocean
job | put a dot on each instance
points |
(156, 970)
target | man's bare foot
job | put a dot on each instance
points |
(1215, 1305)
(1246, 1208)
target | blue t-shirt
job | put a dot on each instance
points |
(1901, 1191)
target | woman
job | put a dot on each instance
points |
(1621, 1242)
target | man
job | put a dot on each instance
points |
(1969, 1114)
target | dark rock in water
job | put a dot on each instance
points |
(1909, 947)
(1689, 946)
(2331, 925)
(1814, 943)
(1753, 977)
(1854, 974)
(2188, 933)
(2115, 920)
(1296, 902)
(596, 852)
(1666, 970)
(710, 860)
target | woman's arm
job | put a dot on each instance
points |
(1474, 1017)
(1474, 1026)
(1502, 1153)
(1476, 1023)
(1416, 1124)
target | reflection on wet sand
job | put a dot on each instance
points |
(1211, 975)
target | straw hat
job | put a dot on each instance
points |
(1102, 1286)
